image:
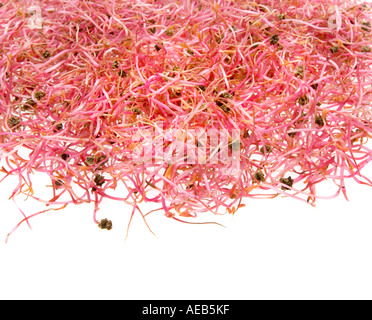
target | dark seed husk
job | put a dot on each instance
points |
(99, 180)
(367, 26)
(122, 73)
(29, 104)
(58, 127)
(287, 181)
(89, 160)
(246, 134)
(137, 111)
(334, 49)
(219, 38)
(226, 95)
(58, 183)
(14, 122)
(259, 176)
(39, 95)
(105, 224)
(222, 104)
(319, 120)
(169, 32)
(267, 148)
(46, 54)
(299, 72)
(274, 39)
(303, 100)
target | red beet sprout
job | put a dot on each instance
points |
(95, 94)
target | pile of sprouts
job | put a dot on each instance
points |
(194, 106)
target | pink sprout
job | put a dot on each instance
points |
(82, 81)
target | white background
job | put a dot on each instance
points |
(272, 249)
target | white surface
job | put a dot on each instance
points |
(272, 249)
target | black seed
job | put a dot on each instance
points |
(190, 52)
(292, 134)
(30, 103)
(39, 95)
(157, 48)
(222, 104)
(46, 54)
(225, 109)
(219, 38)
(14, 121)
(319, 120)
(58, 183)
(100, 158)
(334, 49)
(115, 64)
(246, 134)
(259, 176)
(65, 156)
(274, 39)
(219, 103)
(226, 95)
(287, 181)
(314, 86)
(58, 127)
(267, 148)
(89, 160)
(202, 88)
(262, 9)
(105, 224)
(137, 111)
(367, 26)
(176, 92)
(152, 30)
(99, 180)
(169, 32)
(299, 72)
(122, 73)
(303, 100)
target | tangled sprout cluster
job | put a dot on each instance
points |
(81, 82)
